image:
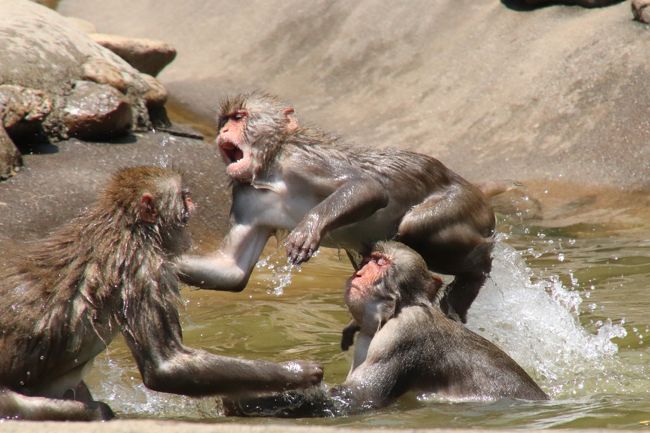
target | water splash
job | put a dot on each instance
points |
(281, 272)
(537, 324)
(132, 398)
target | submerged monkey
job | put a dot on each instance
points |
(111, 270)
(326, 192)
(406, 344)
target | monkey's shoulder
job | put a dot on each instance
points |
(412, 324)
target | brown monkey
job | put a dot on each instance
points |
(327, 192)
(412, 346)
(107, 271)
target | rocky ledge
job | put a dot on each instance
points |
(59, 79)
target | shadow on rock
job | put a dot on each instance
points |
(529, 5)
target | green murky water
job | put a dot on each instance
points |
(567, 299)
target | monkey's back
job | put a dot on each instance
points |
(449, 359)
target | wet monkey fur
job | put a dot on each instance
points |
(326, 192)
(405, 344)
(64, 298)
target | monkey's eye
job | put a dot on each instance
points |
(380, 259)
(238, 115)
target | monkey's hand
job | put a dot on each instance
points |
(303, 374)
(347, 335)
(303, 241)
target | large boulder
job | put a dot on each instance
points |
(554, 93)
(56, 82)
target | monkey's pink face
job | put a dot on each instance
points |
(360, 285)
(234, 148)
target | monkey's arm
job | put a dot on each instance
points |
(355, 199)
(230, 267)
(372, 384)
(153, 333)
(369, 388)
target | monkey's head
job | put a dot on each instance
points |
(390, 277)
(244, 123)
(151, 197)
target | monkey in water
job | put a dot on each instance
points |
(111, 270)
(405, 343)
(326, 192)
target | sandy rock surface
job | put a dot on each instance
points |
(552, 93)
(59, 180)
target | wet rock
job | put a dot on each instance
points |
(146, 55)
(96, 111)
(10, 158)
(640, 10)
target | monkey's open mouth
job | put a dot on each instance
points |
(231, 152)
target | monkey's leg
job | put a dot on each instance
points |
(463, 290)
(82, 394)
(355, 258)
(18, 406)
(460, 294)
(448, 233)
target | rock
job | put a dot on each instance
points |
(102, 72)
(640, 10)
(10, 158)
(83, 25)
(156, 96)
(47, 60)
(146, 55)
(22, 110)
(96, 111)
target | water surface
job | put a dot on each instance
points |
(566, 299)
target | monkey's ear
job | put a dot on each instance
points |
(433, 287)
(148, 212)
(292, 122)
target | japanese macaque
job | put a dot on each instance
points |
(326, 192)
(108, 271)
(411, 346)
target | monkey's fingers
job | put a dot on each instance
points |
(307, 373)
(299, 253)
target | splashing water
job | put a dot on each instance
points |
(281, 274)
(143, 402)
(537, 324)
